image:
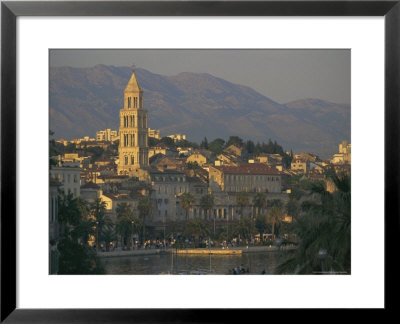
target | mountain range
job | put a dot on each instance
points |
(85, 100)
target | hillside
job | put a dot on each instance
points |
(84, 100)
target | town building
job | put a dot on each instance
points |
(177, 137)
(168, 186)
(106, 135)
(226, 159)
(163, 149)
(90, 191)
(344, 155)
(88, 144)
(69, 176)
(154, 133)
(233, 149)
(197, 157)
(133, 146)
(169, 163)
(301, 165)
(250, 177)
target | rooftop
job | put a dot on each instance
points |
(248, 168)
(90, 185)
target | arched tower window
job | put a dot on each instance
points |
(132, 160)
(126, 160)
(129, 102)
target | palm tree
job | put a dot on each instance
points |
(207, 203)
(109, 236)
(187, 202)
(261, 225)
(124, 222)
(275, 216)
(103, 221)
(69, 212)
(136, 226)
(173, 229)
(322, 224)
(242, 199)
(244, 228)
(260, 202)
(196, 227)
(145, 207)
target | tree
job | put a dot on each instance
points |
(275, 216)
(187, 203)
(242, 199)
(322, 222)
(103, 221)
(153, 141)
(244, 228)
(207, 203)
(145, 207)
(69, 212)
(250, 147)
(196, 228)
(234, 140)
(75, 255)
(192, 165)
(173, 229)
(261, 225)
(124, 225)
(216, 146)
(77, 258)
(204, 143)
(168, 141)
(109, 236)
(260, 202)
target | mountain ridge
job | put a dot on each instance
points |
(85, 100)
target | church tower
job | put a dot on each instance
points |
(133, 130)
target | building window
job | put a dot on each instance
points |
(126, 160)
(132, 159)
(129, 102)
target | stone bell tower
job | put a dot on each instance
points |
(133, 131)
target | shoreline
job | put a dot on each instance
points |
(198, 251)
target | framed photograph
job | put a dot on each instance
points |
(153, 151)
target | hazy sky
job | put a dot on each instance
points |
(281, 75)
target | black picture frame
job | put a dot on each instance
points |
(11, 10)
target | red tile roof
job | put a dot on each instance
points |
(248, 168)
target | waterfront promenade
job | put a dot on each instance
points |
(233, 250)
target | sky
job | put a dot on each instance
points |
(281, 75)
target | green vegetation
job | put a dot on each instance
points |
(207, 203)
(197, 228)
(187, 202)
(145, 208)
(102, 221)
(321, 221)
(242, 199)
(260, 202)
(75, 255)
(126, 224)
